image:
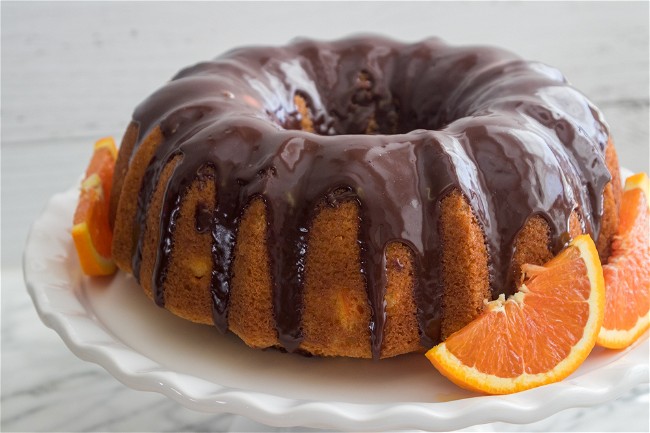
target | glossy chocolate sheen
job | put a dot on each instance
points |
(512, 136)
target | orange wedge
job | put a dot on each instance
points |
(91, 231)
(539, 335)
(627, 273)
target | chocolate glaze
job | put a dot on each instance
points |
(512, 136)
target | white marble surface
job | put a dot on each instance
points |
(72, 72)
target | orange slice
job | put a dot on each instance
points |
(539, 335)
(91, 231)
(627, 273)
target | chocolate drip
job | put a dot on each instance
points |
(168, 216)
(224, 233)
(511, 136)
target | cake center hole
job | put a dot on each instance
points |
(359, 106)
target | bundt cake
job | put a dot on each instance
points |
(356, 198)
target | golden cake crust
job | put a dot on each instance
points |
(336, 311)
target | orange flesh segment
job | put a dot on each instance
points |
(91, 231)
(539, 335)
(551, 300)
(93, 212)
(627, 274)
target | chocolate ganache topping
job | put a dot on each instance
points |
(396, 127)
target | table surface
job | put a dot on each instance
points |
(73, 72)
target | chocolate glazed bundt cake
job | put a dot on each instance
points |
(356, 198)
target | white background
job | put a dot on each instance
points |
(73, 72)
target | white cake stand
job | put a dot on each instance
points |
(109, 321)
